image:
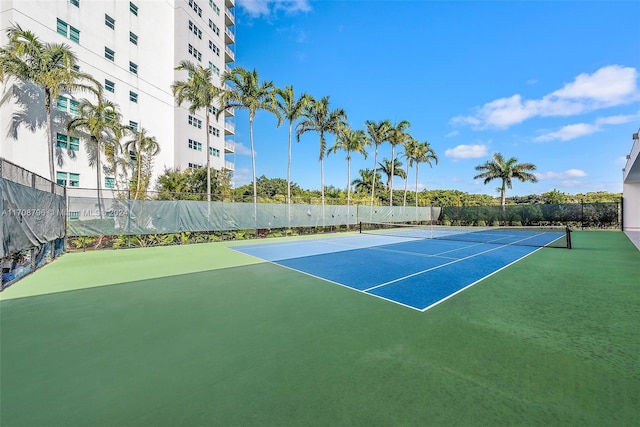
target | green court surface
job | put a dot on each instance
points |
(202, 335)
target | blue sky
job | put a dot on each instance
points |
(550, 83)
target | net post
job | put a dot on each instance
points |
(568, 234)
(360, 226)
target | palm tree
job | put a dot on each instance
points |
(249, 93)
(50, 66)
(114, 156)
(379, 133)
(201, 93)
(355, 141)
(319, 118)
(366, 180)
(423, 154)
(389, 168)
(99, 122)
(410, 147)
(291, 109)
(397, 136)
(145, 148)
(505, 170)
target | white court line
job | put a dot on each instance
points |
(477, 281)
(440, 266)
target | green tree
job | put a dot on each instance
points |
(99, 122)
(291, 109)
(247, 92)
(397, 136)
(145, 147)
(319, 118)
(366, 181)
(350, 141)
(423, 153)
(49, 66)
(505, 171)
(390, 168)
(379, 133)
(201, 94)
(555, 197)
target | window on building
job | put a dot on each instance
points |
(214, 152)
(193, 5)
(193, 121)
(214, 48)
(215, 70)
(68, 31)
(133, 125)
(133, 97)
(195, 145)
(214, 131)
(195, 30)
(195, 53)
(195, 165)
(67, 142)
(214, 27)
(109, 54)
(215, 7)
(76, 68)
(74, 214)
(109, 21)
(133, 156)
(76, 3)
(67, 104)
(109, 86)
(133, 38)
(133, 8)
(213, 110)
(109, 182)
(133, 67)
(68, 179)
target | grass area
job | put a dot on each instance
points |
(200, 335)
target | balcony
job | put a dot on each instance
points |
(230, 3)
(229, 55)
(229, 165)
(230, 112)
(229, 37)
(229, 146)
(229, 19)
(229, 128)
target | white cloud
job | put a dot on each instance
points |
(242, 150)
(257, 8)
(452, 133)
(608, 86)
(565, 175)
(467, 151)
(577, 130)
(569, 132)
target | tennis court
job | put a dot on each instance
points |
(417, 267)
(205, 335)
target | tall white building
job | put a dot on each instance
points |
(132, 48)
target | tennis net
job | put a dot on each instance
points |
(537, 236)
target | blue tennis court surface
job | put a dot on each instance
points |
(417, 273)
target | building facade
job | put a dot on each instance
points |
(132, 48)
(631, 189)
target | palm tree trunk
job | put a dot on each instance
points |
(98, 183)
(373, 178)
(289, 166)
(417, 184)
(348, 180)
(51, 145)
(503, 195)
(253, 174)
(209, 157)
(406, 183)
(393, 161)
(139, 161)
